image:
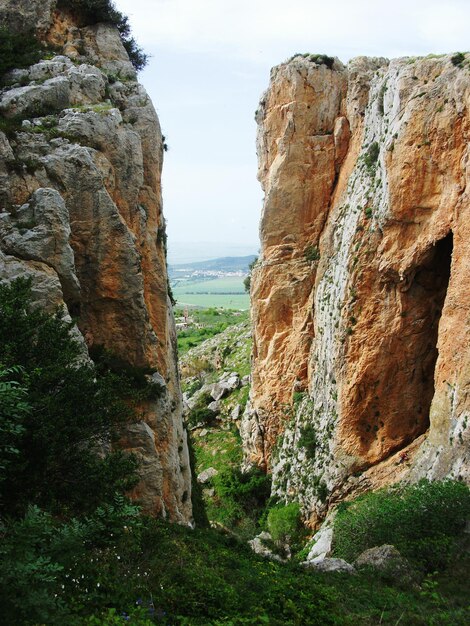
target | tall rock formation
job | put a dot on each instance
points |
(81, 155)
(361, 298)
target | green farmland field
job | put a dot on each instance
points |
(227, 292)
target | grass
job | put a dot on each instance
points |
(227, 292)
(212, 321)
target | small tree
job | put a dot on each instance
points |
(59, 414)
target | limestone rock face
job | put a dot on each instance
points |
(361, 299)
(81, 214)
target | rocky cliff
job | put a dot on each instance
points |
(81, 153)
(361, 298)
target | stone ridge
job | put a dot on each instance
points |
(81, 213)
(361, 299)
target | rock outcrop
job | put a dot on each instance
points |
(361, 298)
(81, 154)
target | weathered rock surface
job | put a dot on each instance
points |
(206, 475)
(81, 214)
(259, 545)
(386, 559)
(330, 565)
(361, 298)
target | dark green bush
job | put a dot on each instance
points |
(284, 522)
(73, 411)
(308, 440)
(242, 494)
(312, 253)
(372, 154)
(457, 59)
(319, 59)
(18, 50)
(423, 521)
(49, 568)
(200, 414)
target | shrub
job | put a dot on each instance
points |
(200, 414)
(372, 154)
(243, 494)
(284, 522)
(18, 50)
(423, 521)
(13, 411)
(308, 440)
(312, 254)
(74, 410)
(318, 59)
(247, 279)
(458, 59)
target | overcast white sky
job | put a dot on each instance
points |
(210, 63)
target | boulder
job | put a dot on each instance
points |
(205, 476)
(214, 407)
(387, 559)
(322, 544)
(236, 412)
(258, 545)
(330, 565)
(219, 390)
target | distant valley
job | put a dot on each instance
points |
(212, 283)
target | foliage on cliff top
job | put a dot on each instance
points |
(95, 11)
(318, 59)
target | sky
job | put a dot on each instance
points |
(209, 64)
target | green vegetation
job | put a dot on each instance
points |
(68, 410)
(74, 551)
(200, 414)
(312, 254)
(18, 50)
(424, 521)
(239, 498)
(319, 59)
(247, 279)
(284, 522)
(457, 59)
(372, 154)
(94, 11)
(308, 440)
(227, 292)
(207, 323)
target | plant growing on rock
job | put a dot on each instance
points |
(94, 11)
(18, 50)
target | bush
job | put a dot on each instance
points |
(312, 254)
(372, 154)
(49, 568)
(94, 11)
(243, 494)
(458, 59)
(18, 50)
(308, 440)
(284, 522)
(67, 413)
(423, 521)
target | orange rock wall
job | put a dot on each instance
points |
(360, 301)
(99, 159)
